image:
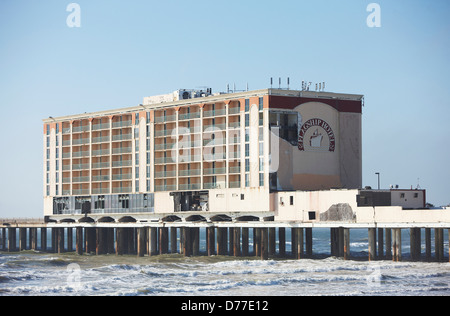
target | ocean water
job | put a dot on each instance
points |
(34, 273)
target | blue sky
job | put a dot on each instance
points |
(126, 50)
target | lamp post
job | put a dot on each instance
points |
(378, 174)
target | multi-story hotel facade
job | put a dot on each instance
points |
(194, 151)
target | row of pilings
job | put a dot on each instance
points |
(383, 243)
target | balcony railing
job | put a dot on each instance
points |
(191, 186)
(123, 150)
(100, 165)
(121, 124)
(191, 172)
(125, 163)
(212, 113)
(188, 116)
(165, 187)
(100, 178)
(209, 171)
(119, 177)
(121, 137)
(79, 129)
(121, 190)
(165, 174)
(168, 118)
(96, 127)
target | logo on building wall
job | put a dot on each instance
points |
(315, 134)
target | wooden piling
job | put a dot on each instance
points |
(264, 244)
(245, 237)
(388, 233)
(69, 239)
(12, 239)
(153, 241)
(439, 244)
(173, 240)
(211, 238)
(282, 241)
(237, 242)
(428, 244)
(372, 244)
(380, 238)
(257, 241)
(60, 239)
(141, 241)
(22, 239)
(187, 242)
(309, 242)
(397, 244)
(272, 241)
(346, 242)
(79, 241)
(195, 239)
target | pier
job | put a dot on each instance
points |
(227, 238)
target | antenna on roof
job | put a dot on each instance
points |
(288, 81)
(279, 83)
(271, 82)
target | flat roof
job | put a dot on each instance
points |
(210, 99)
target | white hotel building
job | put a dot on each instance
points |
(282, 153)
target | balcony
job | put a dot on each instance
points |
(103, 139)
(123, 150)
(80, 166)
(212, 185)
(100, 191)
(214, 113)
(167, 118)
(164, 146)
(121, 137)
(120, 177)
(165, 174)
(165, 188)
(80, 141)
(214, 127)
(121, 190)
(125, 163)
(79, 129)
(212, 171)
(80, 179)
(81, 192)
(235, 184)
(164, 160)
(96, 127)
(101, 152)
(100, 178)
(235, 169)
(191, 186)
(78, 154)
(121, 124)
(100, 165)
(188, 116)
(188, 173)
(233, 111)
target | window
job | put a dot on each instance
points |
(261, 179)
(247, 120)
(291, 200)
(247, 105)
(261, 149)
(242, 196)
(312, 216)
(136, 118)
(57, 164)
(57, 128)
(48, 153)
(247, 165)
(402, 195)
(261, 164)
(48, 165)
(48, 141)
(261, 119)
(247, 150)
(48, 190)
(247, 180)
(261, 103)
(57, 190)
(48, 130)
(57, 153)
(261, 134)
(416, 195)
(247, 135)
